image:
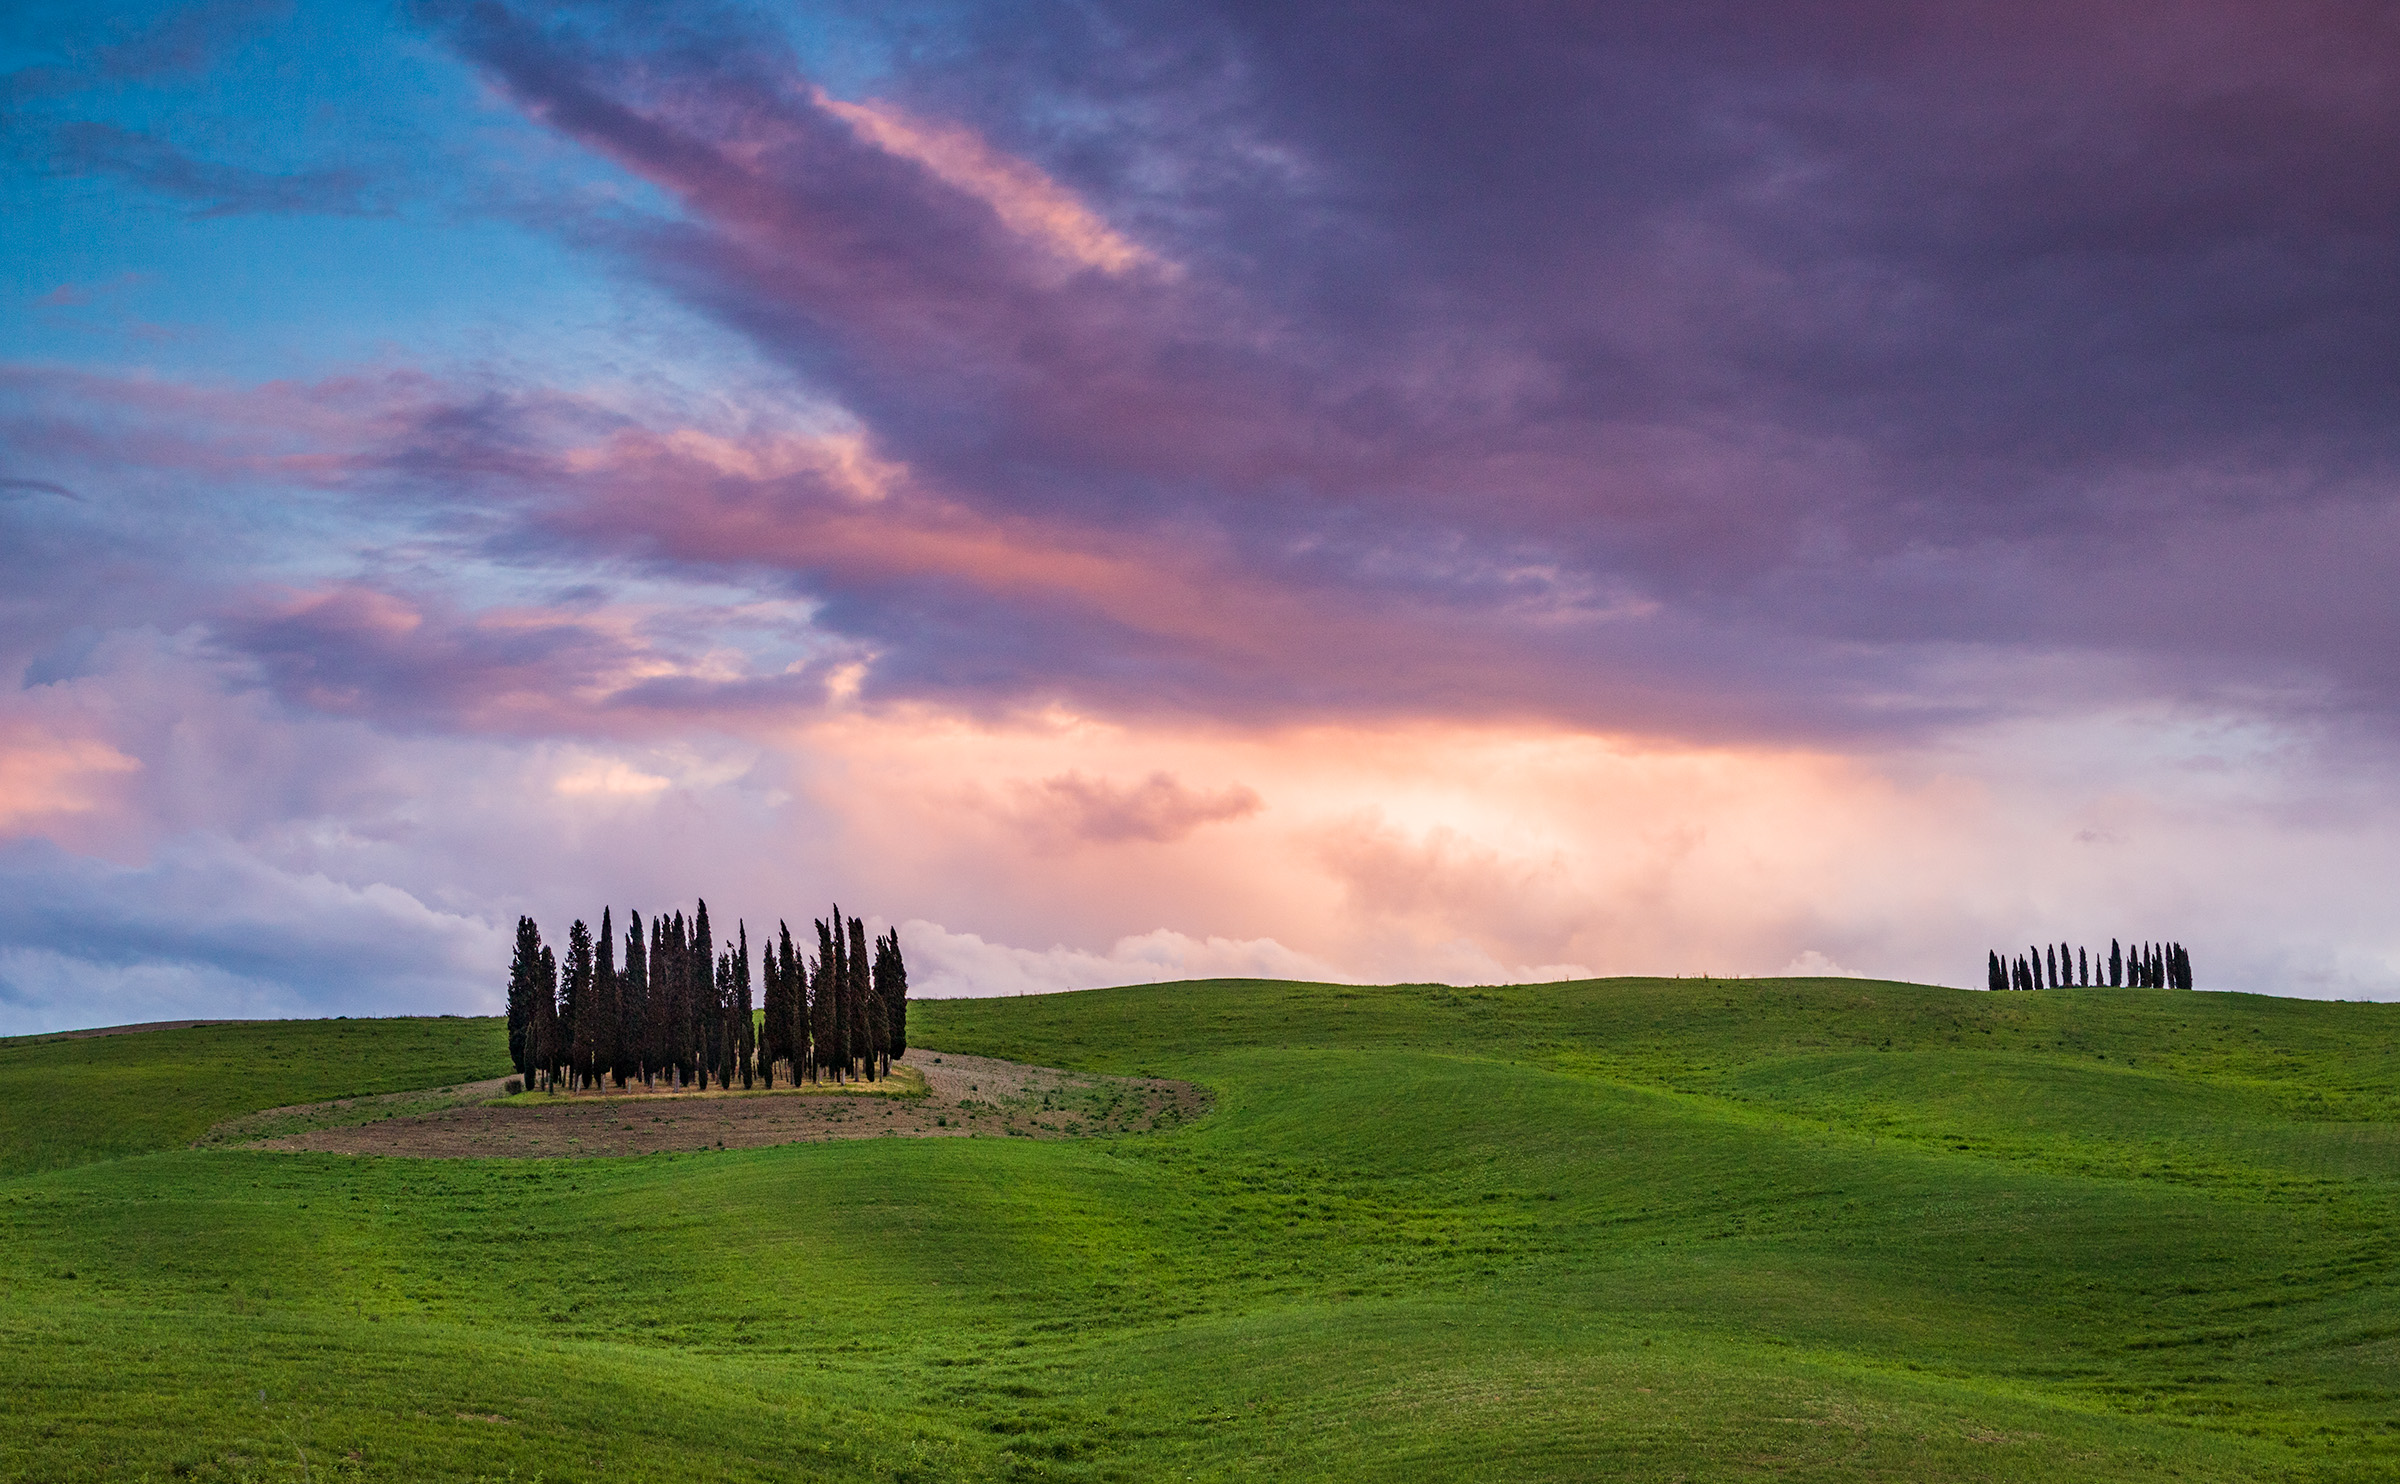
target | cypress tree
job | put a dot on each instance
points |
(2116, 964)
(679, 1008)
(833, 1032)
(523, 970)
(771, 1022)
(2052, 955)
(545, 1018)
(574, 1001)
(745, 1028)
(891, 980)
(662, 993)
(703, 999)
(2083, 970)
(1992, 978)
(633, 1001)
(679, 1014)
(717, 1029)
(864, 1013)
(796, 1037)
(607, 1008)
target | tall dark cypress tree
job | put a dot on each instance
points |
(833, 1034)
(1993, 979)
(721, 1021)
(865, 1014)
(704, 992)
(575, 1003)
(891, 981)
(745, 1026)
(2116, 964)
(2051, 954)
(771, 1021)
(523, 970)
(607, 1008)
(633, 1002)
(546, 1053)
(662, 993)
(796, 1035)
(679, 1015)
(2083, 969)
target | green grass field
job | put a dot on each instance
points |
(1628, 1229)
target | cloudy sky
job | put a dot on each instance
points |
(1138, 491)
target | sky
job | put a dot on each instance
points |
(1133, 492)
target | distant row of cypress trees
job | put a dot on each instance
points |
(2056, 965)
(679, 1010)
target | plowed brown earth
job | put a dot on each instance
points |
(965, 1095)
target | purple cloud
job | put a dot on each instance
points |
(1701, 376)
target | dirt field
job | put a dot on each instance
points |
(964, 1095)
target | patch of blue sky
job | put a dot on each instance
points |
(329, 190)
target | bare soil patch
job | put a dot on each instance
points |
(963, 1096)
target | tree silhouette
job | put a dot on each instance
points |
(891, 983)
(794, 970)
(745, 1026)
(575, 1003)
(524, 970)
(825, 1003)
(546, 1052)
(633, 1004)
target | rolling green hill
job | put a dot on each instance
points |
(1626, 1229)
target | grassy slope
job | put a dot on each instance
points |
(1632, 1229)
(70, 1101)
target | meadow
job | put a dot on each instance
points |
(1623, 1229)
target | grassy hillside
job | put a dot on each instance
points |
(72, 1100)
(1624, 1229)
